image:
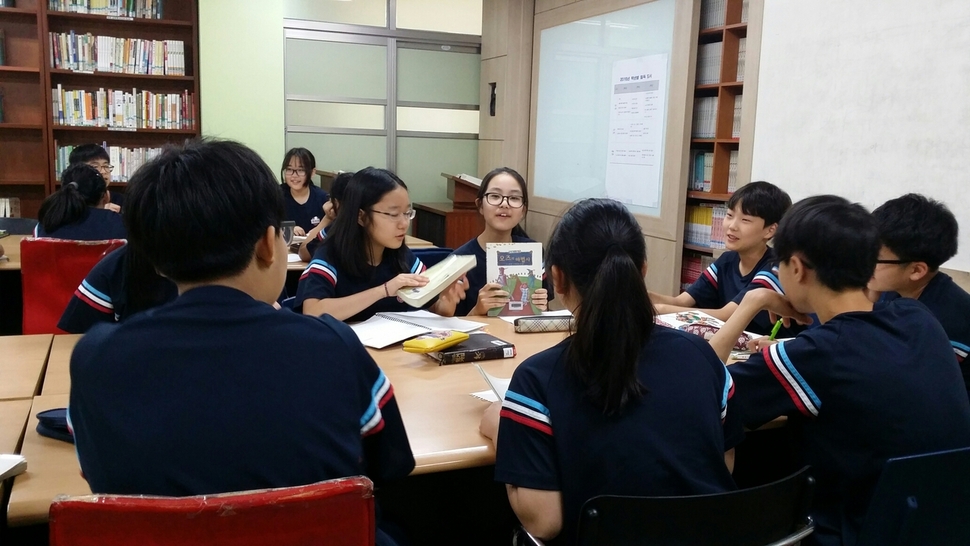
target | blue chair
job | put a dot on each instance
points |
(431, 256)
(921, 499)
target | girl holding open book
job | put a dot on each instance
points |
(364, 261)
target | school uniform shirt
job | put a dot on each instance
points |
(321, 280)
(217, 392)
(552, 438)
(477, 277)
(103, 295)
(860, 389)
(761, 323)
(96, 225)
(309, 214)
(950, 304)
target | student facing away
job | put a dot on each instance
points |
(604, 412)
(97, 157)
(178, 416)
(867, 384)
(304, 201)
(316, 235)
(76, 210)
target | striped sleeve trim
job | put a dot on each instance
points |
(728, 392)
(418, 266)
(96, 299)
(526, 411)
(711, 274)
(776, 358)
(322, 234)
(372, 421)
(768, 279)
(322, 268)
(960, 349)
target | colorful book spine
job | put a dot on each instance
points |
(114, 109)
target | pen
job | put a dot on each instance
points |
(774, 330)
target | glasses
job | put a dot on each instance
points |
(896, 262)
(409, 214)
(495, 199)
(104, 168)
(296, 172)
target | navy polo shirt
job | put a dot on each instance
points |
(218, 392)
(761, 323)
(552, 438)
(722, 280)
(860, 389)
(96, 225)
(321, 280)
(477, 276)
(103, 295)
(309, 214)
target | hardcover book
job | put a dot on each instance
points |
(479, 346)
(440, 276)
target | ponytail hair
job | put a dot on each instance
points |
(599, 249)
(82, 186)
(517, 231)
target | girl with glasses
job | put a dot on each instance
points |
(302, 199)
(502, 200)
(364, 261)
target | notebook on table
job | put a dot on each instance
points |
(384, 329)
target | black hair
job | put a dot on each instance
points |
(144, 287)
(348, 239)
(306, 159)
(483, 188)
(839, 240)
(197, 210)
(599, 248)
(87, 152)
(918, 229)
(762, 199)
(82, 186)
(339, 187)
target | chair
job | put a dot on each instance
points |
(431, 256)
(52, 269)
(18, 226)
(336, 512)
(921, 499)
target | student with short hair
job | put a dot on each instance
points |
(867, 384)
(75, 211)
(304, 200)
(364, 260)
(316, 235)
(918, 234)
(605, 411)
(170, 401)
(97, 157)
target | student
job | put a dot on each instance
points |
(363, 262)
(97, 157)
(75, 211)
(204, 392)
(304, 201)
(503, 201)
(751, 220)
(316, 235)
(865, 385)
(620, 386)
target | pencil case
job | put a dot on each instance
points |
(531, 325)
(435, 341)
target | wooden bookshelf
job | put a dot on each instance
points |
(29, 137)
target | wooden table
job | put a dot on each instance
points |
(11, 249)
(22, 360)
(57, 379)
(13, 418)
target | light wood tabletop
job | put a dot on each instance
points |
(13, 418)
(11, 249)
(57, 378)
(22, 360)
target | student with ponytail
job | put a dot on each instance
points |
(75, 211)
(604, 412)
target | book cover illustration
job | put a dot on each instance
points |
(700, 324)
(518, 268)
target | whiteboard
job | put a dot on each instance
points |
(868, 99)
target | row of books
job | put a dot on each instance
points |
(701, 171)
(704, 121)
(742, 46)
(692, 267)
(119, 109)
(125, 160)
(88, 53)
(744, 12)
(143, 9)
(709, 63)
(736, 122)
(713, 13)
(704, 225)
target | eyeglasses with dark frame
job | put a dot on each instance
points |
(409, 214)
(495, 199)
(297, 172)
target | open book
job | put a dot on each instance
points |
(440, 276)
(701, 324)
(385, 329)
(498, 385)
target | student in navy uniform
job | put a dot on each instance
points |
(604, 412)
(304, 201)
(918, 235)
(316, 235)
(866, 385)
(363, 262)
(187, 408)
(75, 211)
(503, 200)
(97, 157)
(121, 284)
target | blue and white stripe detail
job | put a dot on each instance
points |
(417, 266)
(320, 267)
(373, 420)
(960, 349)
(798, 389)
(768, 279)
(728, 392)
(98, 299)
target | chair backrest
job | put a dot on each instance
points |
(922, 499)
(51, 270)
(431, 256)
(18, 226)
(336, 512)
(762, 515)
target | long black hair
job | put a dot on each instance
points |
(82, 186)
(599, 248)
(483, 189)
(306, 159)
(348, 239)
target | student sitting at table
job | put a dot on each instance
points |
(363, 262)
(620, 386)
(503, 201)
(207, 394)
(316, 235)
(304, 201)
(97, 157)
(75, 211)
(867, 384)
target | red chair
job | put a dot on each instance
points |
(51, 271)
(336, 512)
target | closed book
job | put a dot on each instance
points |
(479, 346)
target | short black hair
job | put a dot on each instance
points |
(87, 152)
(918, 229)
(518, 230)
(762, 199)
(339, 185)
(82, 186)
(198, 209)
(836, 238)
(306, 159)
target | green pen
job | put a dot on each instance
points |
(774, 330)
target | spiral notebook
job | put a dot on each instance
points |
(385, 329)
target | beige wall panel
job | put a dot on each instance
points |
(663, 265)
(493, 71)
(546, 5)
(489, 155)
(495, 25)
(749, 103)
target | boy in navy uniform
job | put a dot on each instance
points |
(218, 391)
(866, 385)
(918, 235)
(97, 157)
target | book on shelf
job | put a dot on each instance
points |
(118, 109)
(701, 324)
(704, 226)
(709, 63)
(742, 46)
(704, 120)
(385, 329)
(692, 267)
(3, 47)
(713, 13)
(479, 346)
(733, 172)
(440, 276)
(124, 160)
(138, 9)
(736, 122)
(518, 268)
(744, 13)
(89, 53)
